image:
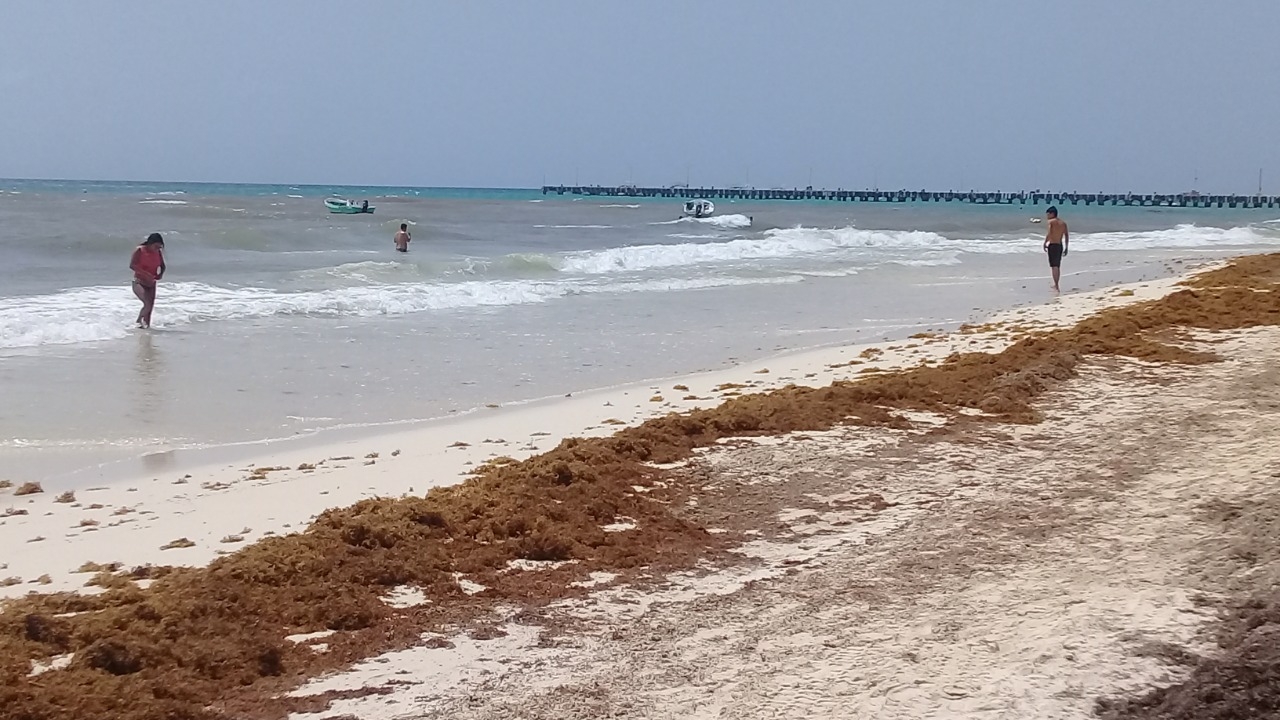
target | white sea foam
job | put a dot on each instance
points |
(774, 245)
(844, 272)
(808, 240)
(153, 201)
(575, 227)
(731, 222)
(898, 246)
(81, 443)
(1182, 236)
(92, 314)
(728, 222)
(619, 206)
(932, 259)
(342, 251)
(368, 271)
(902, 247)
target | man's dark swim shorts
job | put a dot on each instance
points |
(1055, 254)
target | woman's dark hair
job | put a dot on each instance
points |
(153, 238)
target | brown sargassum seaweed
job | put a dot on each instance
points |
(211, 642)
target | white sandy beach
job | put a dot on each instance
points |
(1025, 577)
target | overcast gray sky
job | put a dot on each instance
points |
(1121, 94)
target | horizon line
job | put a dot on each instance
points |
(537, 188)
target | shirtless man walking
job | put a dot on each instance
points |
(402, 238)
(1055, 243)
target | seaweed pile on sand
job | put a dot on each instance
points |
(1239, 682)
(212, 642)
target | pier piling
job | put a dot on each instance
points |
(809, 194)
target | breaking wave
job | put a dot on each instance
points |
(91, 314)
(774, 245)
(727, 222)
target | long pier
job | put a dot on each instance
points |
(1186, 200)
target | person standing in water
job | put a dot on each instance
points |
(1055, 243)
(402, 238)
(147, 265)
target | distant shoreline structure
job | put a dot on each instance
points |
(1188, 199)
(1023, 197)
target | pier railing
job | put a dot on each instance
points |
(1191, 200)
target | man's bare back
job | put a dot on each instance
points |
(402, 238)
(1057, 231)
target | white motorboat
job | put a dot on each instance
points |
(698, 208)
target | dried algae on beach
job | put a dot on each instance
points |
(212, 642)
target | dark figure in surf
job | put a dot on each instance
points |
(147, 265)
(402, 238)
(364, 206)
(1055, 243)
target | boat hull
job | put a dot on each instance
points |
(699, 209)
(344, 207)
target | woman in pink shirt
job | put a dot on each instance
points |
(147, 265)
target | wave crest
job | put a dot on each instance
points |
(726, 222)
(774, 245)
(92, 314)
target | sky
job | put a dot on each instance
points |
(1132, 95)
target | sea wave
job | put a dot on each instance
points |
(93, 314)
(1182, 236)
(520, 264)
(728, 222)
(902, 247)
(516, 266)
(774, 245)
(368, 271)
(513, 266)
